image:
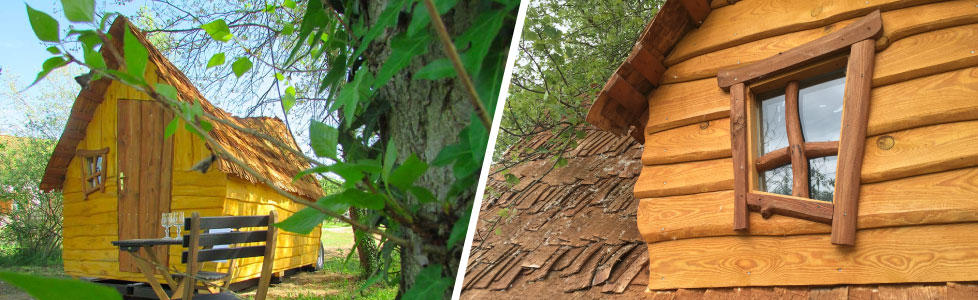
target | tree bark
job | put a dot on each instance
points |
(424, 117)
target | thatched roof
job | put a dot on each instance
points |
(569, 233)
(275, 164)
(622, 103)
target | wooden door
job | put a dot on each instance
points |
(145, 166)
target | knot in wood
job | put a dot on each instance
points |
(705, 125)
(885, 142)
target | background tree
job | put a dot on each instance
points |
(568, 51)
(30, 221)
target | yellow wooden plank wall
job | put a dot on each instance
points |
(90, 225)
(924, 98)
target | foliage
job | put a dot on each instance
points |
(349, 283)
(568, 51)
(353, 148)
(46, 288)
(30, 231)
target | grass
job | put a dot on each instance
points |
(12, 260)
(339, 279)
(339, 237)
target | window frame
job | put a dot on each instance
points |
(808, 60)
(100, 155)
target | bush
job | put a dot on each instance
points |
(30, 219)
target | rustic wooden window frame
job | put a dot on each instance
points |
(787, 68)
(86, 176)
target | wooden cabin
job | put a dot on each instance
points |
(809, 146)
(119, 172)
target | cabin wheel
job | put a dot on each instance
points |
(321, 259)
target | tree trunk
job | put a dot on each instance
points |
(366, 246)
(436, 111)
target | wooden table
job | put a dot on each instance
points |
(149, 265)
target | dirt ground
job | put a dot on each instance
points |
(9, 292)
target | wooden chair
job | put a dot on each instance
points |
(198, 249)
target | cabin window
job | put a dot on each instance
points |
(93, 170)
(795, 153)
(817, 108)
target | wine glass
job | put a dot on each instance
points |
(165, 222)
(176, 219)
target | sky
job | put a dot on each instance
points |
(23, 53)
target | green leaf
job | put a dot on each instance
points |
(459, 229)
(351, 94)
(49, 65)
(390, 155)
(136, 55)
(45, 27)
(167, 91)
(171, 128)
(387, 19)
(438, 69)
(420, 17)
(218, 30)
(422, 194)
(79, 10)
(336, 70)
(302, 221)
(89, 39)
(323, 139)
(54, 50)
(403, 48)
(93, 59)
(560, 162)
(288, 29)
(216, 60)
(279, 76)
(408, 172)
(45, 288)
(289, 4)
(241, 65)
(450, 153)
(512, 179)
(478, 140)
(206, 126)
(363, 199)
(288, 100)
(429, 284)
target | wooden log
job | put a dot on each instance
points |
(927, 54)
(919, 151)
(869, 27)
(675, 105)
(897, 24)
(796, 207)
(946, 197)
(796, 142)
(781, 156)
(647, 62)
(625, 94)
(738, 148)
(685, 178)
(855, 113)
(737, 24)
(701, 141)
(902, 254)
(942, 98)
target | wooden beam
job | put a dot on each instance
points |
(625, 94)
(796, 207)
(869, 27)
(852, 139)
(738, 148)
(647, 62)
(697, 10)
(781, 156)
(796, 142)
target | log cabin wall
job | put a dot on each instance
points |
(918, 206)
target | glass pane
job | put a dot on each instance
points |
(820, 106)
(773, 133)
(99, 164)
(821, 177)
(778, 180)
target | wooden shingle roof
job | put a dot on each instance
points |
(269, 161)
